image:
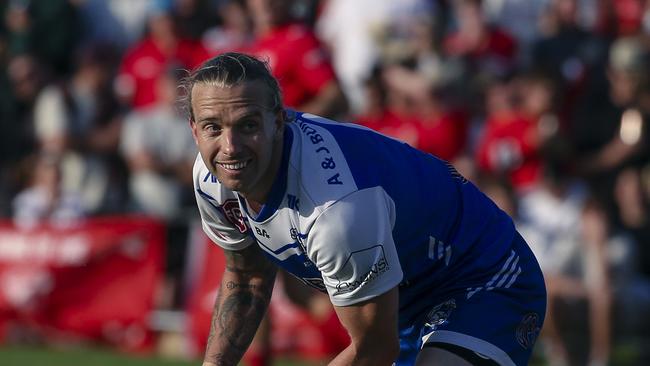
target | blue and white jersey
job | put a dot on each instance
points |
(355, 213)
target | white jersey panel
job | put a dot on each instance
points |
(352, 245)
(221, 216)
(325, 172)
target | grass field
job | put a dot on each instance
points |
(27, 356)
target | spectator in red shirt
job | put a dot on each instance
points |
(442, 131)
(143, 64)
(389, 108)
(233, 33)
(416, 113)
(297, 58)
(484, 47)
(508, 146)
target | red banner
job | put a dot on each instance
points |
(95, 280)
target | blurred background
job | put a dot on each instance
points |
(544, 104)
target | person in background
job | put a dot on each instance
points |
(567, 230)
(21, 83)
(574, 57)
(79, 120)
(194, 17)
(609, 126)
(484, 48)
(520, 117)
(46, 29)
(297, 58)
(234, 32)
(147, 59)
(44, 200)
(159, 152)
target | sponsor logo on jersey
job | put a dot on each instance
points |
(440, 313)
(231, 210)
(528, 330)
(262, 232)
(327, 161)
(370, 264)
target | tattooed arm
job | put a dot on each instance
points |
(240, 305)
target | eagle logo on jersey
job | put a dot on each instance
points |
(232, 212)
(440, 313)
(528, 330)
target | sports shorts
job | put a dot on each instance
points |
(497, 318)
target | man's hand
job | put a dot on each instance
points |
(372, 326)
(241, 302)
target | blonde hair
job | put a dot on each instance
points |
(227, 70)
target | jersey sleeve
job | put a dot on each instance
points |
(220, 216)
(352, 245)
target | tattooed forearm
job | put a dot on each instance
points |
(241, 303)
(213, 321)
(239, 317)
(236, 317)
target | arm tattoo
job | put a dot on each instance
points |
(244, 286)
(241, 303)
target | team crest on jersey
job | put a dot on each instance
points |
(440, 313)
(528, 330)
(231, 210)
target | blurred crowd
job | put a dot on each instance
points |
(542, 103)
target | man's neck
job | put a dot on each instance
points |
(256, 202)
(254, 208)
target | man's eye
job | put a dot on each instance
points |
(212, 128)
(249, 126)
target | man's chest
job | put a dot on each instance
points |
(284, 239)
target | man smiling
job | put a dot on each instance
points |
(421, 267)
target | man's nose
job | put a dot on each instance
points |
(231, 142)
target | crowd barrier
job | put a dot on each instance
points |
(97, 280)
(94, 280)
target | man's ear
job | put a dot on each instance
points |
(193, 128)
(280, 120)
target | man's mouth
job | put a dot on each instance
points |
(235, 166)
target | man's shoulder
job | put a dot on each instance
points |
(346, 157)
(318, 162)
